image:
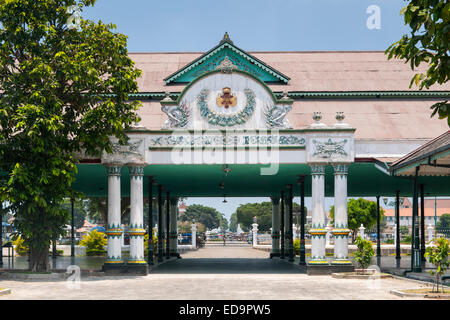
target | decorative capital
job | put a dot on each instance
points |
(317, 169)
(113, 170)
(275, 200)
(136, 170)
(340, 169)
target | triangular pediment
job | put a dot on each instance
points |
(227, 56)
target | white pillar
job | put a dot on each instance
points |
(294, 232)
(275, 227)
(114, 229)
(173, 232)
(255, 234)
(137, 230)
(317, 230)
(194, 235)
(430, 232)
(341, 230)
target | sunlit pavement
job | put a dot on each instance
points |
(218, 273)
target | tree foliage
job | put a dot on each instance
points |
(444, 221)
(360, 211)
(428, 43)
(263, 213)
(64, 93)
(209, 217)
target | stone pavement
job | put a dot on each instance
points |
(215, 273)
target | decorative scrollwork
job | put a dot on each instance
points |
(178, 116)
(276, 116)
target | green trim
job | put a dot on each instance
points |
(302, 95)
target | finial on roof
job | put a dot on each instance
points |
(226, 38)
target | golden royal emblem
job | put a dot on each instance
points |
(226, 99)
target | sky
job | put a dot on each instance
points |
(253, 25)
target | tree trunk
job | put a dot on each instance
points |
(39, 259)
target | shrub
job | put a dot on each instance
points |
(437, 254)
(155, 244)
(364, 252)
(94, 243)
(389, 241)
(20, 247)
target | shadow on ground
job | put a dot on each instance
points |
(226, 265)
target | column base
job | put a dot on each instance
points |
(175, 254)
(274, 254)
(125, 269)
(313, 270)
(341, 262)
(321, 262)
(134, 262)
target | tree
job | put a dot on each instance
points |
(64, 93)
(360, 211)
(207, 216)
(233, 222)
(428, 42)
(263, 213)
(444, 221)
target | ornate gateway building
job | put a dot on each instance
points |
(277, 124)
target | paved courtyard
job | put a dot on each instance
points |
(217, 273)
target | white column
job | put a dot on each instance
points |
(194, 235)
(317, 230)
(255, 234)
(340, 230)
(173, 232)
(294, 232)
(275, 227)
(114, 229)
(137, 230)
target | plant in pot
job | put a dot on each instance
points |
(363, 254)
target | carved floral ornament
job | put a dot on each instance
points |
(329, 148)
